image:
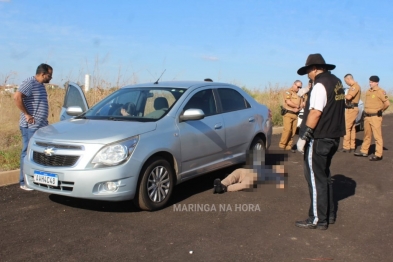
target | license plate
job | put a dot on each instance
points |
(45, 178)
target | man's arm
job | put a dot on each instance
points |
(386, 104)
(313, 118)
(348, 97)
(18, 96)
(291, 104)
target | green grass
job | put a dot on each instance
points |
(9, 160)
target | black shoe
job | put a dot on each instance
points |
(309, 225)
(332, 220)
(375, 158)
(217, 183)
(218, 187)
(360, 154)
(293, 150)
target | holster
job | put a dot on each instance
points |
(351, 105)
(283, 110)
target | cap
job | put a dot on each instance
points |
(374, 79)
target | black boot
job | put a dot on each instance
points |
(218, 187)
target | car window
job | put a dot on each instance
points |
(231, 100)
(158, 100)
(203, 100)
(143, 104)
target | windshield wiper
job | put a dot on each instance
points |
(114, 118)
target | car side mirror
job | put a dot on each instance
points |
(192, 114)
(74, 111)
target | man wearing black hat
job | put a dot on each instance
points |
(319, 138)
(376, 102)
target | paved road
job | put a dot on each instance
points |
(240, 226)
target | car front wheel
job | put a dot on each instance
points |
(156, 185)
(257, 144)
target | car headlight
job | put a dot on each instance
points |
(115, 153)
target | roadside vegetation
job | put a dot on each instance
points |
(10, 140)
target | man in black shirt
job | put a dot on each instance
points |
(319, 137)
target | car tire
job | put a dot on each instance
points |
(257, 144)
(156, 185)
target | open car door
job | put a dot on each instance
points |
(74, 97)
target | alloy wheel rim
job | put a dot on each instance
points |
(158, 184)
(258, 146)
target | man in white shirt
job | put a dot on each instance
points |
(319, 137)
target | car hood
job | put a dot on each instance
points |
(93, 131)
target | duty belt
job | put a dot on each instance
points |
(365, 114)
(351, 105)
(291, 112)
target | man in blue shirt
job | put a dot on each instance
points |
(32, 100)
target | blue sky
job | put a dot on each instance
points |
(249, 43)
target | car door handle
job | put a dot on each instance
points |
(251, 119)
(217, 126)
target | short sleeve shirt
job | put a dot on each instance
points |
(374, 100)
(354, 91)
(291, 95)
(36, 103)
(318, 97)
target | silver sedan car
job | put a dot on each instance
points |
(142, 140)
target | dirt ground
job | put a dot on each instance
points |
(238, 226)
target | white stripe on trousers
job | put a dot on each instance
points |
(312, 177)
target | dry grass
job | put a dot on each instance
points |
(272, 98)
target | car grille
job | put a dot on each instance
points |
(63, 186)
(58, 146)
(56, 160)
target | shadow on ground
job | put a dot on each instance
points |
(343, 187)
(95, 205)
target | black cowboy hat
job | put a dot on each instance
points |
(314, 60)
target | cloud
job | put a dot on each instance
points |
(210, 58)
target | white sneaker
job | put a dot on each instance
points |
(24, 187)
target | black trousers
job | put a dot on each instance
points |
(318, 156)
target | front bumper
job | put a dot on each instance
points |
(88, 183)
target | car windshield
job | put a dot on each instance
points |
(135, 104)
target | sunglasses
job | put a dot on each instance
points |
(298, 86)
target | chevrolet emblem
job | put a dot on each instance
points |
(49, 151)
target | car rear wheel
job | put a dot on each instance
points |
(156, 185)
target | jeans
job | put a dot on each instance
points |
(27, 133)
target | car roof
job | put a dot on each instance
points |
(179, 84)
